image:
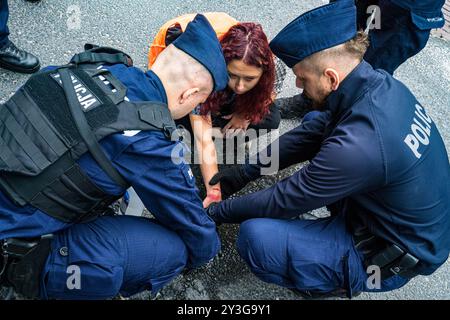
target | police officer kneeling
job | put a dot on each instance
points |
(376, 160)
(74, 138)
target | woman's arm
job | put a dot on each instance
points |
(206, 149)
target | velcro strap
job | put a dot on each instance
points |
(101, 57)
(85, 131)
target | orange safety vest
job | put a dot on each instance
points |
(220, 21)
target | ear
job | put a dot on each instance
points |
(333, 77)
(187, 94)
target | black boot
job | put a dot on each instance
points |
(293, 107)
(14, 59)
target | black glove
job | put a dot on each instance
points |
(210, 211)
(231, 180)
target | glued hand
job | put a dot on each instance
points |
(237, 124)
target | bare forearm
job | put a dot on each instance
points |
(208, 171)
(209, 168)
(208, 162)
(206, 151)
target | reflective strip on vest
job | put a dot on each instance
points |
(220, 21)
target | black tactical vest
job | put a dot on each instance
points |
(56, 117)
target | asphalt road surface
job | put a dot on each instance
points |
(55, 30)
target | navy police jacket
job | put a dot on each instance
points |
(421, 6)
(375, 153)
(425, 14)
(145, 160)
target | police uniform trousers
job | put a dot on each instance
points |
(4, 32)
(307, 255)
(109, 256)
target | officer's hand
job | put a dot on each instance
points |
(231, 180)
(211, 212)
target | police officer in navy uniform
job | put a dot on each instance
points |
(403, 31)
(376, 160)
(46, 252)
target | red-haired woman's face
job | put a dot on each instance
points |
(243, 77)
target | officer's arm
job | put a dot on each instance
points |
(336, 172)
(295, 146)
(168, 192)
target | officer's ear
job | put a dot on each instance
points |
(333, 78)
(188, 94)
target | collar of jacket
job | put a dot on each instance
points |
(356, 84)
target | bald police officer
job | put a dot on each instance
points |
(80, 135)
(376, 160)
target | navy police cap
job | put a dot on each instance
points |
(315, 30)
(199, 40)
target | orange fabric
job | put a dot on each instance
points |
(220, 21)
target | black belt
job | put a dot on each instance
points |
(390, 258)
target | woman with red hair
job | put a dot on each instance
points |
(247, 102)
